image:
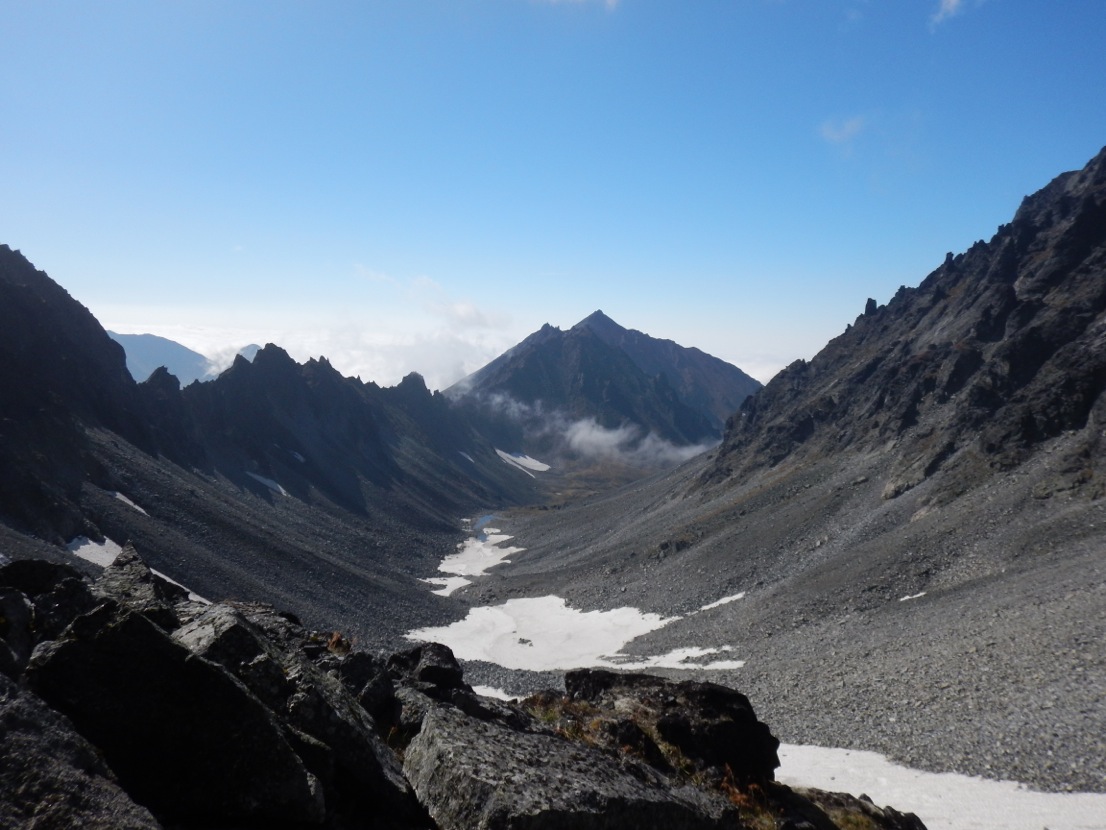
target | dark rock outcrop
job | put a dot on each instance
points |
(185, 738)
(337, 736)
(130, 581)
(50, 776)
(712, 726)
(483, 775)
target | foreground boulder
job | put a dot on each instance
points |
(711, 726)
(185, 738)
(335, 735)
(50, 776)
(485, 776)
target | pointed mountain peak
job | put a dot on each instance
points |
(601, 324)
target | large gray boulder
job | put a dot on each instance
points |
(335, 735)
(130, 581)
(184, 736)
(713, 727)
(50, 776)
(475, 774)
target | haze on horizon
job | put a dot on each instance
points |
(416, 187)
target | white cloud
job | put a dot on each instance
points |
(842, 131)
(948, 8)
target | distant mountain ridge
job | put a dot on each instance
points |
(599, 372)
(148, 352)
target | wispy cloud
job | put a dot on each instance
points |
(947, 9)
(842, 131)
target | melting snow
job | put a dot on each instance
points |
(493, 691)
(944, 801)
(474, 557)
(466, 456)
(720, 602)
(448, 584)
(191, 594)
(116, 494)
(268, 482)
(98, 553)
(544, 634)
(523, 462)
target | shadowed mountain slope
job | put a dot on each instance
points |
(277, 479)
(997, 351)
(702, 381)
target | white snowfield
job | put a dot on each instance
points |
(944, 801)
(474, 557)
(523, 462)
(98, 553)
(544, 633)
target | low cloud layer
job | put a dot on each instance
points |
(626, 444)
(587, 439)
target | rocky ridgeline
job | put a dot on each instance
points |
(125, 703)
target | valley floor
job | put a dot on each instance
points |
(985, 660)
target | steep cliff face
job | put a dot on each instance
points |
(59, 370)
(998, 350)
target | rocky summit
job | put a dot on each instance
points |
(126, 703)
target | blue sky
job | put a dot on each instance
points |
(418, 184)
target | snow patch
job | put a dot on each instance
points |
(268, 482)
(683, 658)
(479, 553)
(544, 634)
(724, 601)
(191, 594)
(115, 494)
(466, 456)
(523, 462)
(492, 691)
(298, 456)
(448, 584)
(104, 553)
(944, 801)
(98, 553)
(912, 596)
